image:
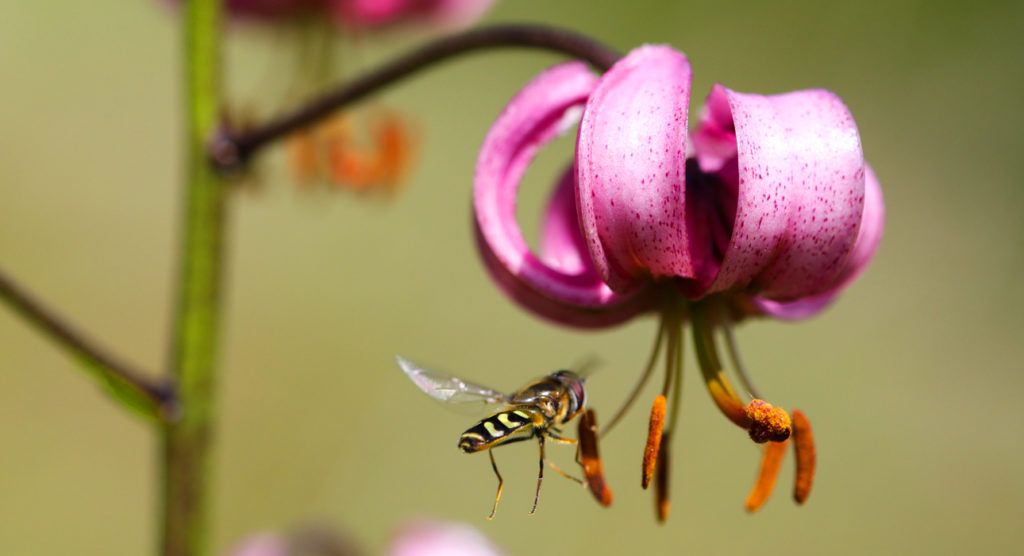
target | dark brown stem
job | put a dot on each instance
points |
(153, 398)
(229, 151)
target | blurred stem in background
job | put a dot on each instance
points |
(130, 386)
(187, 441)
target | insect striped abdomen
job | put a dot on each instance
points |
(497, 429)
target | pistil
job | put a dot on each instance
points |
(761, 419)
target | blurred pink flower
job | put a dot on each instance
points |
(364, 14)
(434, 538)
(263, 544)
(422, 538)
(448, 14)
(770, 209)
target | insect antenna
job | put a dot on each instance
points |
(587, 365)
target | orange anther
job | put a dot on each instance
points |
(654, 436)
(379, 162)
(767, 422)
(590, 459)
(803, 445)
(771, 461)
(303, 156)
(661, 501)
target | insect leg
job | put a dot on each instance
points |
(540, 474)
(565, 474)
(560, 439)
(563, 440)
(501, 484)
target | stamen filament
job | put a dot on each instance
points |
(672, 324)
(771, 462)
(644, 378)
(677, 370)
(806, 456)
(675, 364)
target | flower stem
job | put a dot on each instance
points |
(128, 385)
(187, 442)
(230, 152)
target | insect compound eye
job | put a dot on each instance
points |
(580, 393)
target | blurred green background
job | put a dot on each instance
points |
(913, 380)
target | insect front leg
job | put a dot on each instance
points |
(561, 439)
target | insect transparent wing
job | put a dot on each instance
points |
(447, 388)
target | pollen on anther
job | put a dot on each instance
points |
(767, 422)
(654, 436)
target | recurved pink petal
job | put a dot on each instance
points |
(560, 286)
(562, 246)
(631, 161)
(799, 175)
(868, 238)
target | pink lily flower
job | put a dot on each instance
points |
(446, 14)
(769, 210)
(365, 14)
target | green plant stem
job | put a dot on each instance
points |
(187, 442)
(129, 386)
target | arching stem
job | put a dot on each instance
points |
(230, 151)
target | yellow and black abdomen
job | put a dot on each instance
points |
(498, 429)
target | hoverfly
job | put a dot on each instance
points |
(537, 410)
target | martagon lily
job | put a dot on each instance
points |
(767, 210)
(362, 15)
